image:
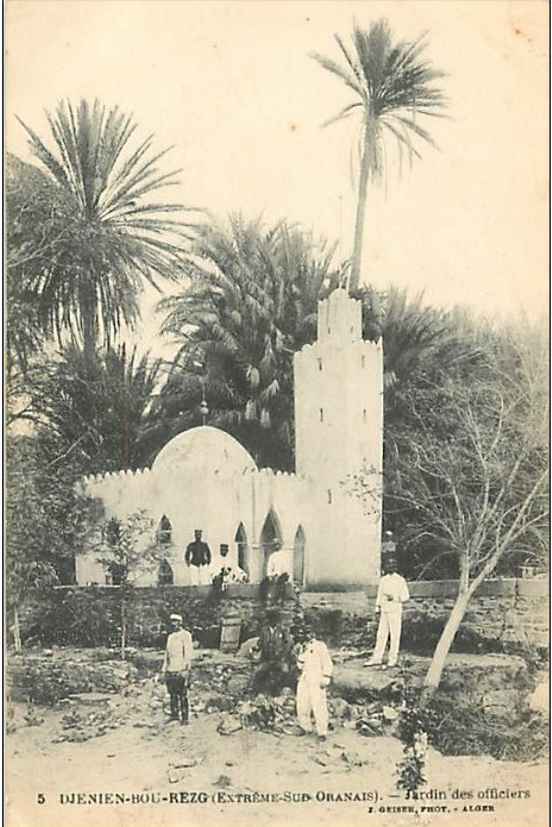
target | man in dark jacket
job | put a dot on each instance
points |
(198, 560)
(275, 645)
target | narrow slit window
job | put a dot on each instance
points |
(363, 361)
(364, 416)
(320, 364)
(329, 496)
(321, 414)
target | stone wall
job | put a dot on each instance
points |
(503, 611)
(91, 616)
(506, 610)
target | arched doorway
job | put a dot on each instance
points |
(243, 548)
(271, 538)
(299, 556)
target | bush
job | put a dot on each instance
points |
(457, 726)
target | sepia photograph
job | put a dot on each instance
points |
(276, 413)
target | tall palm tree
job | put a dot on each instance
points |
(117, 237)
(393, 84)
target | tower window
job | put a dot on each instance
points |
(329, 496)
(320, 364)
(363, 361)
(321, 414)
(364, 417)
(352, 328)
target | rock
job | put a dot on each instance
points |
(247, 648)
(539, 699)
(91, 698)
(186, 763)
(229, 725)
(352, 759)
(340, 708)
(389, 713)
(222, 781)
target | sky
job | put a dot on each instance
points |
(232, 87)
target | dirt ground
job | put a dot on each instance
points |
(139, 754)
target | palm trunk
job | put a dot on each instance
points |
(435, 671)
(123, 626)
(88, 309)
(367, 162)
(16, 632)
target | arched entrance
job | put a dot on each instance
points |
(299, 556)
(271, 538)
(243, 548)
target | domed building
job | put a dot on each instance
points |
(326, 518)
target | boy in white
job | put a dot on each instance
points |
(392, 593)
(316, 671)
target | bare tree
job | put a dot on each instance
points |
(479, 490)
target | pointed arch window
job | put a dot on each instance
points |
(164, 532)
(165, 574)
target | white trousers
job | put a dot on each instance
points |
(311, 701)
(199, 575)
(389, 625)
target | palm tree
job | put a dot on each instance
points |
(117, 237)
(94, 411)
(393, 84)
(250, 305)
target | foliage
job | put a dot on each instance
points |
(114, 237)
(93, 408)
(127, 548)
(129, 544)
(37, 224)
(394, 84)
(251, 304)
(465, 728)
(46, 518)
(412, 731)
(475, 477)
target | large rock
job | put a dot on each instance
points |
(479, 677)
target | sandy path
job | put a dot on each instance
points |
(132, 760)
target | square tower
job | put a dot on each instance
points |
(339, 423)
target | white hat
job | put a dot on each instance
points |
(176, 617)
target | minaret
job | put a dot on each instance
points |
(339, 410)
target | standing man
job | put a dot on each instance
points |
(176, 669)
(275, 647)
(315, 665)
(392, 593)
(198, 559)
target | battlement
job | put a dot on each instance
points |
(340, 318)
(125, 475)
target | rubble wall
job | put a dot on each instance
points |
(91, 616)
(503, 611)
(509, 610)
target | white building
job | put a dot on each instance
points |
(326, 517)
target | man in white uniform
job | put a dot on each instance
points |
(316, 668)
(176, 669)
(392, 593)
